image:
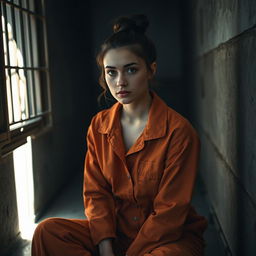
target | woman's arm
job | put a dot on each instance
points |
(98, 199)
(171, 204)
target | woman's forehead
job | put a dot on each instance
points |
(120, 57)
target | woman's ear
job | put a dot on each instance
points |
(153, 68)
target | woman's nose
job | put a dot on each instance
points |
(121, 80)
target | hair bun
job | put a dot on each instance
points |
(138, 23)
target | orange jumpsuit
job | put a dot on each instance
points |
(140, 198)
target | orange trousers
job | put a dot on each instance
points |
(71, 237)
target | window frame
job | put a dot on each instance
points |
(11, 139)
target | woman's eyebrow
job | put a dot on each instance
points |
(125, 66)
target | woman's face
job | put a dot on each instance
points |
(126, 75)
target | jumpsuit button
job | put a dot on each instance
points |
(128, 176)
(135, 218)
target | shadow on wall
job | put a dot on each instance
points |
(246, 126)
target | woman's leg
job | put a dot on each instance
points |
(63, 237)
(188, 245)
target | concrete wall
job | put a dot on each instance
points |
(58, 155)
(9, 226)
(223, 102)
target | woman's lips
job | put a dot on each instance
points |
(123, 94)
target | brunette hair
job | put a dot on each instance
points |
(128, 31)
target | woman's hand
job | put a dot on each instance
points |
(105, 247)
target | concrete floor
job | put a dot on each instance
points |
(70, 205)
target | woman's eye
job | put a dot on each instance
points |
(131, 70)
(111, 72)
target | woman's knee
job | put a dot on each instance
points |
(49, 225)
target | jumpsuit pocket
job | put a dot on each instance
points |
(148, 170)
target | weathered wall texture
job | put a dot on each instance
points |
(9, 226)
(224, 110)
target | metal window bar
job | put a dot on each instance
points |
(32, 63)
(17, 19)
(20, 124)
(27, 10)
(31, 118)
(3, 37)
(3, 93)
(24, 4)
(32, 58)
(28, 68)
(3, 19)
(25, 24)
(8, 59)
(46, 77)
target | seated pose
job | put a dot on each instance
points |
(140, 166)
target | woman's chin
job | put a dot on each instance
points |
(124, 100)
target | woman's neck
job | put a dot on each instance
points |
(137, 111)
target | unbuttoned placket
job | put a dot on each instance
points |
(136, 217)
(116, 141)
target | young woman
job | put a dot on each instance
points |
(140, 166)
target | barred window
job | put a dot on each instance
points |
(24, 74)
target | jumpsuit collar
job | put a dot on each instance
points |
(157, 119)
(155, 127)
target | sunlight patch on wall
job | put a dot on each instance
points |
(22, 158)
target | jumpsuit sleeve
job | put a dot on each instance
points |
(172, 202)
(98, 199)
